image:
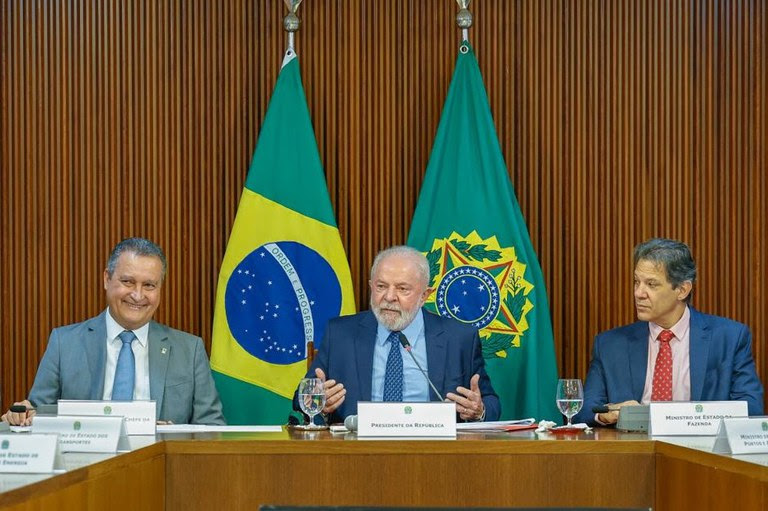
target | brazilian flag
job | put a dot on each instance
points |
(484, 271)
(285, 273)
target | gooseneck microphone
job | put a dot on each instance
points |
(407, 346)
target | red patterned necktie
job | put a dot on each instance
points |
(662, 371)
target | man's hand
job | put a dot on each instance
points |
(612, 417)
(20, 418)
(334, 392)
(469, 402)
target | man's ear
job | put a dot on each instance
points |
(426, 294)
(684, 290)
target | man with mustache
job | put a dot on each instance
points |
(122, 354)
(356, 350)
(674, 352)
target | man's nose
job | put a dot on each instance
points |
(137, 293)
(391, 294)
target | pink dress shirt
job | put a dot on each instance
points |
(681, 363)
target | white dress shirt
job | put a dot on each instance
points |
(140, 348)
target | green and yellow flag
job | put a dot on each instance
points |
(483, 268)
(285, 273)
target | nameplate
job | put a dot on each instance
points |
(742, 436)
(434, 419)
(140, 416)
(28, 454)
(693, 417)
(82, 433)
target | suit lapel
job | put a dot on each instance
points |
(96, 354)
(436, 340)
(698, 346)
(364, 343)
(638, 358)
(159, 354)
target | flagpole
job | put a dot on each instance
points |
(464, 19)
(291, 24)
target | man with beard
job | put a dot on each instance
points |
(361, 358)
(673, 352)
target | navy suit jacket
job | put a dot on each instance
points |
(180, 380)
(721, 365)
(453, 356)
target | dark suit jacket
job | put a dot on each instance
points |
(180, 378)
(722, 368)
(453, 356)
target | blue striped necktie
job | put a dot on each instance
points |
(393, 377)
(125, 372)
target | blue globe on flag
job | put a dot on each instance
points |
(278, 298)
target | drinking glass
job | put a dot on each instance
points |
(312, 399)
(570, 397)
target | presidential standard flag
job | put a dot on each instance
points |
(483, 268)
(285, 273)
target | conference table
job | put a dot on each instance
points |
(602, 468)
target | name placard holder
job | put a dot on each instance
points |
(29, 454)
(83, 433)
(140, 416)
(433, 419)
(692, 418)
(742, 436)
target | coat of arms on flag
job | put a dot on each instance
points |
(478, 282)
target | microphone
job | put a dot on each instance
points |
(351, 422)
(407, 346)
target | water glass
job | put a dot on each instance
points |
(570, 397)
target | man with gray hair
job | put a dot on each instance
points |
(674, 352)
(122, 354)
(361, 357)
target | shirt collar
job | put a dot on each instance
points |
(114, 329)
(679, 329)
(412, 331)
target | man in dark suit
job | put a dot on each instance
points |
(92, 361)
(674, 353)
(361, 359)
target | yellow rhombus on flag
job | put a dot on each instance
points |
(285, 272)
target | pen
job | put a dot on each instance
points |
(605, 409)
(20, 409)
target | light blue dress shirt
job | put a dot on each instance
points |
(415, 386)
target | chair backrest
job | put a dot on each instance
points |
(311, 354)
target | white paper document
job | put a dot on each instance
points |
(470, 426)
(202, 428)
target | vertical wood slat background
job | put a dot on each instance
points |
(618, 120)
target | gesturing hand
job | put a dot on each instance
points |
(469, 402)
(334, 392)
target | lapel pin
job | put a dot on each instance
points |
(164, 350)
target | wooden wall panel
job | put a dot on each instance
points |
(618, 121)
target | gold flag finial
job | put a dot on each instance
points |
(291, 21)
(293, 5)
(464, 17)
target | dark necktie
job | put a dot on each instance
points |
(393, 377)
